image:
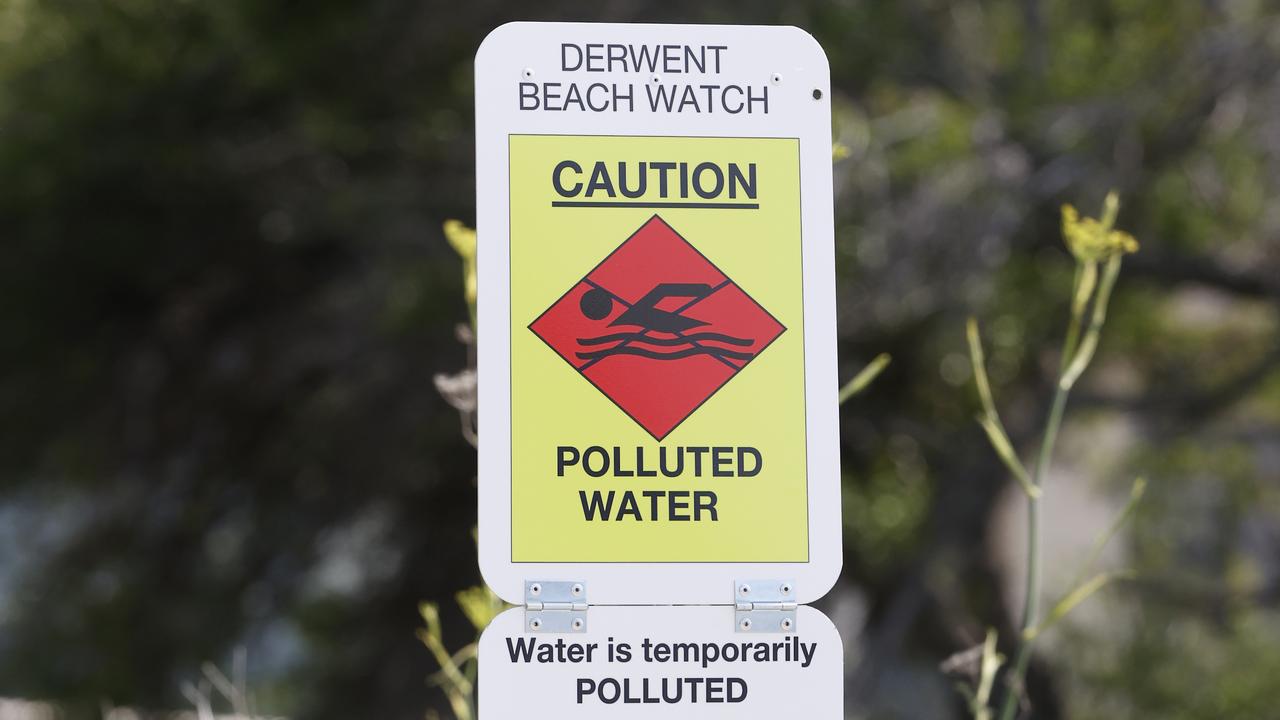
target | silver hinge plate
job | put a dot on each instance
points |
(764, 606)
(553, 606)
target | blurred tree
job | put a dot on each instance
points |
(225, 295)
(226, 292)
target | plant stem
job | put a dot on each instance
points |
(1031, 605)
(864, 377)
(1077, 352)
(1081, 286)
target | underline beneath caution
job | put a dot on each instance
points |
(621, 204)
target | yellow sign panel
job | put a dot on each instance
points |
(657, 350)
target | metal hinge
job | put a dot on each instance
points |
(765, 606)
(552, 606)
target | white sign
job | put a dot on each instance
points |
(656, 308)
(662, 662)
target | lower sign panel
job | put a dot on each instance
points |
(661, 662)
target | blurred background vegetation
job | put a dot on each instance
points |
(225, 291)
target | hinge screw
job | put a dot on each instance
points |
(535, 623)
(577, 624)
(577, 589)
(535, 589)
(746, 623)
(745, 589)
(786, 623)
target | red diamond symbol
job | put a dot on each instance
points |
(657, 328)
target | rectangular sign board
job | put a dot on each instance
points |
(661, 662)
(656, 310)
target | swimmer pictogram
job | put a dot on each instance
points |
(597, 303)
(657, 328)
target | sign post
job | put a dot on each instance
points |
(656, 348)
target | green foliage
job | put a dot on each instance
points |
(989, 663)
(457, 674)
(463, 241)
(223, 304)
(864, 377)
(885, 509)
(480, 605)
(226, 291)
(1092, 242)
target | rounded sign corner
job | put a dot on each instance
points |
(498, 576)
(808, 615)
(499, 624)
(495, 35)
(810, 42)
(824, 578)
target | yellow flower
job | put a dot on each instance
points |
(463, 240)
(1092, 240)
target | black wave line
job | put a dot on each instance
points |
(689, 352)
(677, 311)
(682, 340)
